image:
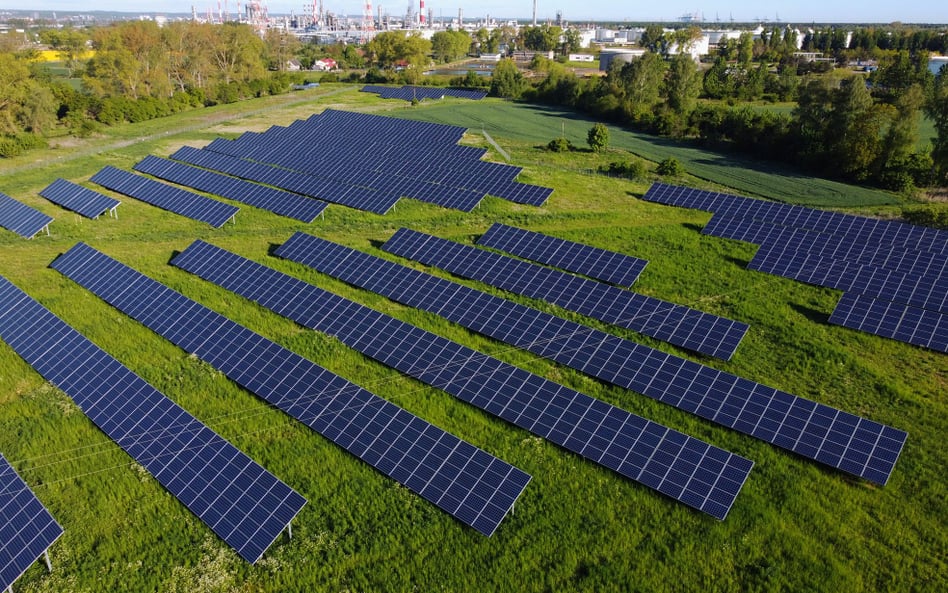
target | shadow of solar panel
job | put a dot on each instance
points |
(679, 466)
(27, 529)
(279, 202)
(675, 324)
(21, 219)
(897, 321)
(466, 482)
(835, 438)
(336, 193)
(81, 200)
(240, 501)
(172, 199)
(601, 264)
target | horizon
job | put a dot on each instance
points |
(735, 11)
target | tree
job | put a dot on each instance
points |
(69, 43)
(598, 138)
(542, 38)
(572, 41)
(641, 81)
(654, 39)
(683, 85)
(854, 130)
(745, 49)
(717, 82)
(391, 48)
(281, 47)
(448, 46)
(670, 167)
(507, 81)
(936, 108)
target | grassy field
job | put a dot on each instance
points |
(538, 125)
(796, 526)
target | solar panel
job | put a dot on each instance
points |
(813, 430)
(468, 483)
(675, 324)
(240, 501)
(898, 321)
(279, 202)
(322, 189)
(21, 219)
(27, 529)
(860, 230)
(601, 264)
(421, 93)
(81, 200)
(687, 469)
(166, 197)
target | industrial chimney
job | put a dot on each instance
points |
(421, 13)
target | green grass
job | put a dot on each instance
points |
(538, 125)
(796, 525)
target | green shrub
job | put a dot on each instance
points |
(670, 167)
(634, 169)
(559, 144)
(598, 138)
(931, 215)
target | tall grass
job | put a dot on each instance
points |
(578, 527)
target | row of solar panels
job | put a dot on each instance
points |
(895, 275)
(478, 488)
(421, 93)
(377, 153)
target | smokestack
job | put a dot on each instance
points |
(534, 13)
(421, 12)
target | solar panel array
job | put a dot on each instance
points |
(27, 529)
(81, 200)
(895, 275)
(813, 430)
(279, 202)
(240, 501)
(468, 483)
(21, 219)
(675, 324)
(352, 196)
(166, 197)
(386, 157)
(601, 264)
(687, 469)
(422, 93)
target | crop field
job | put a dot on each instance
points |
(539, 125)
(796, 526)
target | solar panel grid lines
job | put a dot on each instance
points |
(679, 466)
(835, 438)
(166, 197)
(675, 324)
(888, 319)
(860, 231)
(336, 193)
(22, 219)
(27, 529)
(385, 145)
(239, 500)
(279, 202)
(354, 169)
(468, 483)
(601, 264)
(79, 199)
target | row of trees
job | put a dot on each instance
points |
(839, 128)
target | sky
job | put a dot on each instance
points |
(792, 11)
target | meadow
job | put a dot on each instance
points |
(796, 526)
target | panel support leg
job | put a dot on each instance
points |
(49, 564)
(289, 530)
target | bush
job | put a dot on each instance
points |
(17, 144)
(932, 215)
(670, 167)
(632, 170)
(560, 144)
(598, 138)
